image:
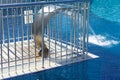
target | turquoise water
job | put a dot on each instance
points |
(104, 41)
(108, 9)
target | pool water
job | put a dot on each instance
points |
(104, 41)
(109, 9)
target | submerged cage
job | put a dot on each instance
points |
(65, 34)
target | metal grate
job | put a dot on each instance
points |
(42, 35)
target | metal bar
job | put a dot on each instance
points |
(49, 36)
(14, 32)
(81, 26)
(61, 34)
(78, 25)
(35, 40)
(40, 3)
(17, 24)
(43, 37)
(71, 32)
(74, 26)
(58, 22)
(11, 1)
(28, 40)
(87, 27)
(22, 38)
(3, 37)
(77, 29)
(1, 2)
(82, 34)
(84, 28)
(66, 35)
(8, 44)
(55, 24)
(1, 23)
(52, 34)
(16, 1)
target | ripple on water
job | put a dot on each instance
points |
(107, 9)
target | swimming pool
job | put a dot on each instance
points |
(104, 41)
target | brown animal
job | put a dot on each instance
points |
(37, 33)
(39, 45)
(41, 20)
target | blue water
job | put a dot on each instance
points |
(108, 9)
(107, 66)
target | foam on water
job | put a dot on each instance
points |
(101, 40)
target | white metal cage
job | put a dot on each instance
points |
(64, 32)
